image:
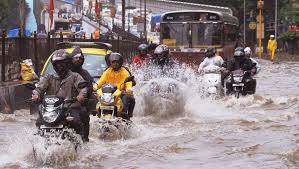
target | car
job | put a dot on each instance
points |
(94, 54)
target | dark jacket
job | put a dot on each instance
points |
(244, 64)
(87, 77)
(65, 88)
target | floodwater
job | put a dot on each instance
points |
(176, 127)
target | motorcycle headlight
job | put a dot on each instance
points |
(238, 79)
(107, 99)
(50, 114)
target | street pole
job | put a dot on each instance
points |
(123, 13)
(275, 19)
(244, 22)
(260, 7)
(145, 31)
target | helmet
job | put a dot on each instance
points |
(210, 52)
(247, 51)
(78, 57)
(239, 52)
(161, 51)
(272, 36)
(118, 58)
(61, 62)
(142, 48)
(152, 47)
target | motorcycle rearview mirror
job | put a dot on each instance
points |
(129, 79)
(30, 86)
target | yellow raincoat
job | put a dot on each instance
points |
(115, 77)
(272, 45)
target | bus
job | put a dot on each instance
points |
(188, 33)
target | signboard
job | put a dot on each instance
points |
(190, 16)
(252, 25)
(140, 27)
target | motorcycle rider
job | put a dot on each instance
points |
(151, 49)
(162, 57)
(64, 84)
(142, 57)
(116, 74)
(241, 62)
(248, 54)
(77, 62)
(211, 59)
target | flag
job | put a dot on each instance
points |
(51, 12)
(96, 8)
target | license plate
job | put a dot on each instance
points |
(107, 107)
(51, 127)
(239, 84)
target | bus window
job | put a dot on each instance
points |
(230, 33)
(206, 34)
(175, 32)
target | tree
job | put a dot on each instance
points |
(8, 14)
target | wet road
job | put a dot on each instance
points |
(184, 130)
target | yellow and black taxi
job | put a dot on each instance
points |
(94, 57)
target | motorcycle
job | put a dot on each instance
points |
(240, 82)
(55, 120)
(109, 110)
(212, 80)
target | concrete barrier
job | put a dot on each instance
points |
(13, 96)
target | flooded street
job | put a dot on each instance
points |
(184, 130)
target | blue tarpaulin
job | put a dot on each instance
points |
(15, 33)
(155, 18)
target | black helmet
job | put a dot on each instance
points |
(142, 48)
(161, 51)
(239, 49)
(118, 58)
(210, 52)
(61, 62)
(77, 53)
(152, 47)
(239, 52)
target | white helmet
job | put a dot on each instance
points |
(247, 51)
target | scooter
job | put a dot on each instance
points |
(212, 80)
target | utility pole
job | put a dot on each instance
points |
(260, 33)
(123, 13)
(275, 19)
(244, 22)
(145, 31)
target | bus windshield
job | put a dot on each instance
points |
(206, 34)
(191, 34)
(175, 34)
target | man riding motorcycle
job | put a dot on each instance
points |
(151, 49)
(64, 84)
(248, 54)
(162, 57)
(241, 62)
(77, 62)
(117, 74)
(142, 57)
(211, 59)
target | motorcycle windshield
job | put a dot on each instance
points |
(109, 88)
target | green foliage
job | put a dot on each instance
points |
(9, 13)
(289, 36)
